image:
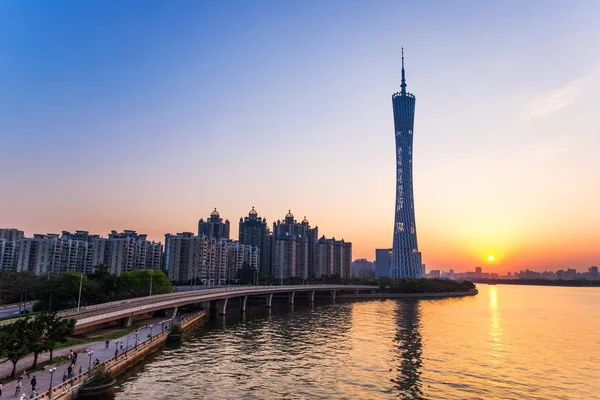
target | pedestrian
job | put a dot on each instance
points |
(18, 387)
(0, 388)
(121, 346)
(25, 373)
(70, 354)
(106, 344)
(33, 382)
(80, 369)
(65, 376)
(33, 394)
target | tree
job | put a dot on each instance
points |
(59, 292)
(136, 283)
(35, 337)
(14, 344)
(245, 275)
(55, 329)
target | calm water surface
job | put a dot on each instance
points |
(508, 342)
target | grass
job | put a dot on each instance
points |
(76, 341)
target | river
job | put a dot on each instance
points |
(508, 342)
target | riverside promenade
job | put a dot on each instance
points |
(83, 360)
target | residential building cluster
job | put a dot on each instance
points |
(52, 253)
(291, 250)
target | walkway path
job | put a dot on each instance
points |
(83, 360)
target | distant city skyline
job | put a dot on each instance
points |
(146, 115)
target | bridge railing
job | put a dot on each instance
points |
(202, 296)
(78, 380)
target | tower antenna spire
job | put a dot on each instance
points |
(403, 85)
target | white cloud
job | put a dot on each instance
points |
(555, 100)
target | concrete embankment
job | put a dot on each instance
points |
(120, 363)
(383, 295)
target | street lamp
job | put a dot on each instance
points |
(151, 276)
(162, 325)
(51, 370)
(128, 342)
(136, 338)
(150, 331)
(90, 354)
(116, 347)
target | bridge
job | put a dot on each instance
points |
(124, 311)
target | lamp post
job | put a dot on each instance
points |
(150, 331)
(128, 341)
(80, 286)
(151, 276)
(90, 354)
(162, 325)
(51, 370)
(116, 346)
(136, 338)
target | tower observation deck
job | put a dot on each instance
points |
(406, 258)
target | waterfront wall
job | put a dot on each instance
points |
(406, 295)
(119, 363)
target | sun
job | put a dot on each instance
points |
(491, 257)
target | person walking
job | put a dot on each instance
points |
(80, 369)
(106, 344)
(65, 377)
(0, 388)
(33, 383)
(18, 387)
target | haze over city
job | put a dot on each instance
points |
(141, 116)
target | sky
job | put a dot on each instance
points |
(146, 115)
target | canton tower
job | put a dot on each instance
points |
(406, 259)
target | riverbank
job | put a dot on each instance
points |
(384, 295)
(115, 364)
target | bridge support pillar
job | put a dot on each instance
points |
(269, 299)
(127, 321)
(291, 297)
(333, 294)
(222, 306)
(311, 296)
(171, 312)
(243, 301)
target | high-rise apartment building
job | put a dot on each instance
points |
(214, 226)
(333, 257)
(8, 254)
(255, 232)
(362, 264)
(11, 234)
(306, 239)
(196, 258)
(383, 263)
(238, 255)
(406, 259)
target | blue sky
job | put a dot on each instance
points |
(147, 114)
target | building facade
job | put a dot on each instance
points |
(362, 268)
(46, 254)
(333, 257)
(383, 263)
(305, 238)
(255, 232)
(406, 258)
(214, 226)
(11, 234)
